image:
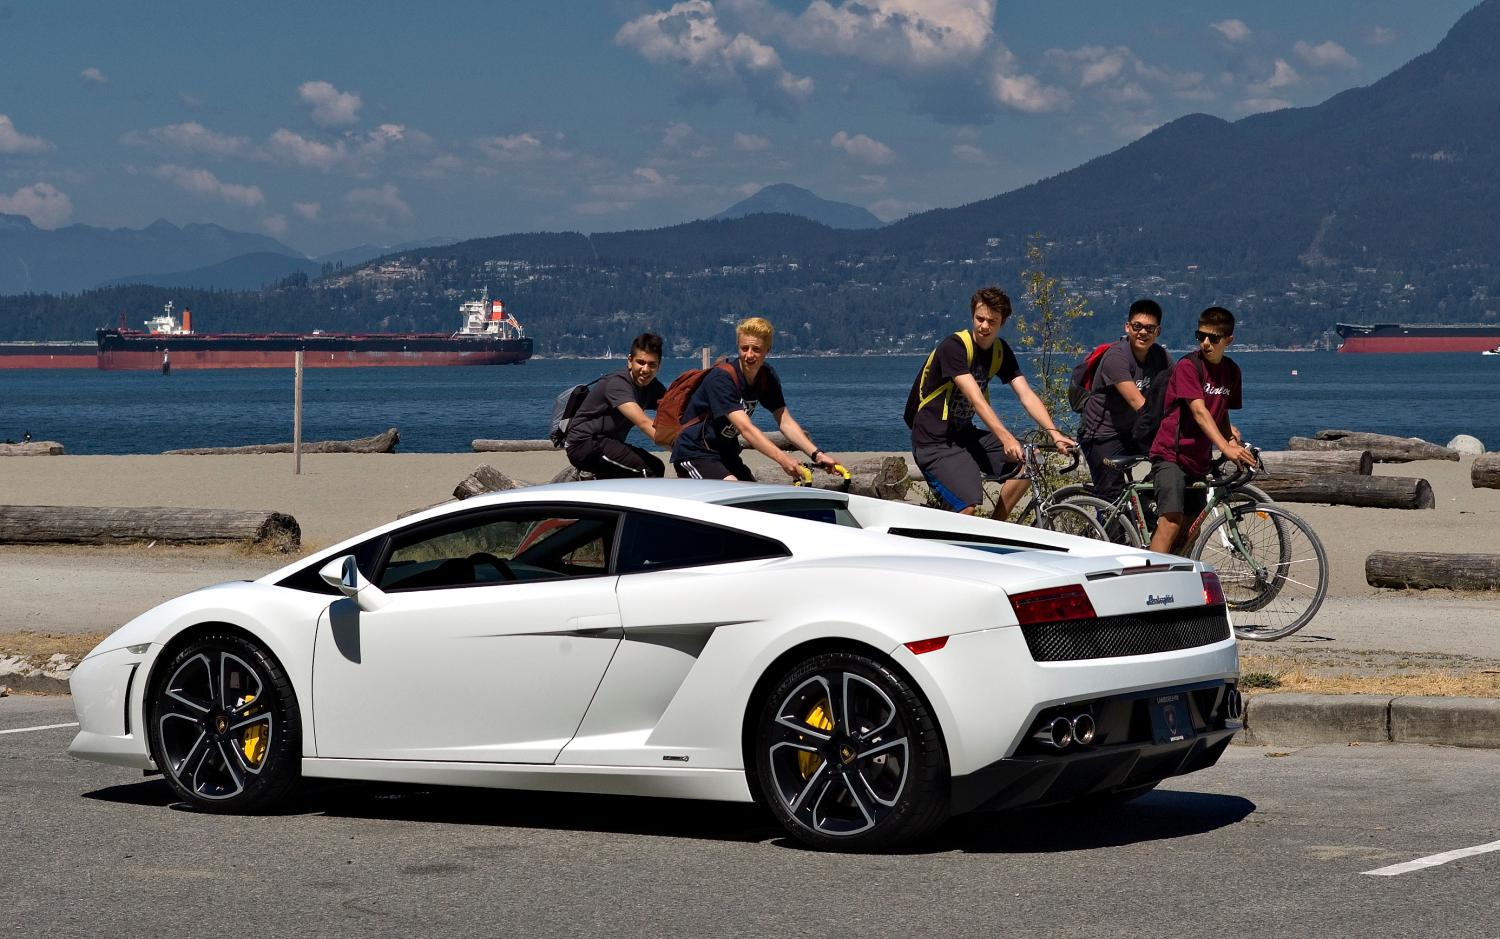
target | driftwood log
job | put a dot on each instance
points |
(485, 479)
(380, 443)
(32, 448)
(1383, 447)
(510, 446)
(1485, 473)
(1424, 570)
(1380, 492)
(68, 524)
(1317, 462)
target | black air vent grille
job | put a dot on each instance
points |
(1135, 634)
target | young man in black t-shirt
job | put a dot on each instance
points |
(718, 415)
(952, 390)
(618, 401)
(1122, 380)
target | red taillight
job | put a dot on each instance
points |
(1213, 594)
(1052, 605)
(927, 645)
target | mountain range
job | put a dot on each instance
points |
(786, 199)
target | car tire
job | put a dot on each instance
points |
(868, 772)
(223, 725)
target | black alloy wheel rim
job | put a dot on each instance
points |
(214, 725)
(839, 753)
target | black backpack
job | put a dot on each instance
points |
(563, 410)
(1148, 418)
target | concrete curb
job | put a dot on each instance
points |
(1295, 720)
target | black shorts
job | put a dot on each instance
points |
(1174, 492)
(722, 466)
(955, 469)
(608, 458)
(1106, 481)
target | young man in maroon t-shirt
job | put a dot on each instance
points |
(1203, 389)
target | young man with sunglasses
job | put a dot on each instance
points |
(1119, 390)
(1203, 389)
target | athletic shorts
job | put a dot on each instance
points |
(1106, 481)
(1174, 492)
(721, 467)
(608, 458)
(955, 469)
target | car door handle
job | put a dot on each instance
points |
(594, 625)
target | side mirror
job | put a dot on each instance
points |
(344, 574)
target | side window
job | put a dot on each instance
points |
(658, 542)
(530, 543)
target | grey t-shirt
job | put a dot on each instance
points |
(1106, 414)
(599, 415)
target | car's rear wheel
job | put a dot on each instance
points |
(224, 727)
(849, 757)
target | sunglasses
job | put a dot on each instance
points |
(1200, 335)
(1143, 327)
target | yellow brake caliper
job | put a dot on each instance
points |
(254, 740)
(808, 763)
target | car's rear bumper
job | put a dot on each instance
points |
(1127, 753)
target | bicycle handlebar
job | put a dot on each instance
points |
(1238, 477)
(805, 474)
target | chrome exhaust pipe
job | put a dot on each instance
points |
(1057, 734)
(1234, 704)
(1083, 729)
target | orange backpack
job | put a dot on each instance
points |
(669, 410)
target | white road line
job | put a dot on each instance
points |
(27, 730)
(1433, 860)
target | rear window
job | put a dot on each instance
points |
(828, 511)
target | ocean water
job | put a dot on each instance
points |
(846, 403)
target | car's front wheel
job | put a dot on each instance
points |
(223, 725)
(849, 757)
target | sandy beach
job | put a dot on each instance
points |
(91, 590)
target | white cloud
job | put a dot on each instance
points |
(515, 148)
(203, 183)
(1327, 54)
(863, 148)
(969, 153)
(903, 33)
(308, 210)
(291, 147)
(1019, 92)
(1282, 76)
(1380, 36)
(1262, 105)
(675, 134)
(688, 37)
(1092, 65)
(94, 76)
(274, 225)
(888, 210)
(329, 105)
(751, 142)
(1232, 30)
(44, 205)
(644, 182)
(378, 204)
(13, 141)
(190, 136)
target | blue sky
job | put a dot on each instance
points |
(332, 124)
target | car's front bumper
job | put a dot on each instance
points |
(106, 697)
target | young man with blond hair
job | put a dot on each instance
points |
(951, 390)
(717, 416)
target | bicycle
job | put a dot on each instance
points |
(1271, 565)
(1045, 510)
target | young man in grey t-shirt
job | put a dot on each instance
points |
(1121, 383)
(618, 401)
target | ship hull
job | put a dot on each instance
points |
(1417, 337)
(148, 352)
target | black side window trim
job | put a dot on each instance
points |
(460, 520)
(780, 551)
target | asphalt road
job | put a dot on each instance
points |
(1267, 843)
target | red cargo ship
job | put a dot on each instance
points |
(81, 354)
(1418, 337)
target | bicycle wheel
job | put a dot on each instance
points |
(1271, 565)
(1117, 525)
(1071, 519)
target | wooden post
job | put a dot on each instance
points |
(704, 356)
(297, 420)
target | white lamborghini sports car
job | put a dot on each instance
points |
(863, 668)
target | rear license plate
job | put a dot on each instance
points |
(1170, 721)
